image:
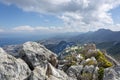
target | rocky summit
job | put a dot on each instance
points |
(32, 61)
(12, 68)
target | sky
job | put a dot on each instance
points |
(58, 16)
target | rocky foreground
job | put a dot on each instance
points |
(32, 61)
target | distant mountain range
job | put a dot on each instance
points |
(102, 35)
(103, 38)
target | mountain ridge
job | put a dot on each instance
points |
(101, 35)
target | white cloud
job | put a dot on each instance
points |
(115, 27)
(78, 15)
(23, 28)
(43, 29)
(51, 29)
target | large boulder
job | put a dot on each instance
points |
(112, 73)
(88, 69)
(95, 73)
(75, 71)
(80, 72)
(39, 73)
(89, 61)
(90, 72)
(48, 72)
(56, 74)
(12, 68)
(34, 54)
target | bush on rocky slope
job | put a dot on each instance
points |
(101, 73)
(87, 56)
(103, 62)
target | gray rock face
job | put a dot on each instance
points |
(34, 54)
(80, 72)
(95, 73)
(39, 73)
(112, 73)
(37, 57)
(75, 71)
(88, 69)
(58, 74)
(48, 72)
(12, 68)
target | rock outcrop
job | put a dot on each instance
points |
(48, 72)
(79, 72)
(56, 74)
(75, 71)
(37, 57)
(39, 73)
(112, 73)
(12, 68)
(34, 54)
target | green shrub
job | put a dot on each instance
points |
(67, 65)
(72, 60)
(100, 73)
(79, 50)
(107, 64)
(83, 55)
(102, 60)
(70, 57)
(72, 63)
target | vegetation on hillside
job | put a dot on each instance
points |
(77, 55)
